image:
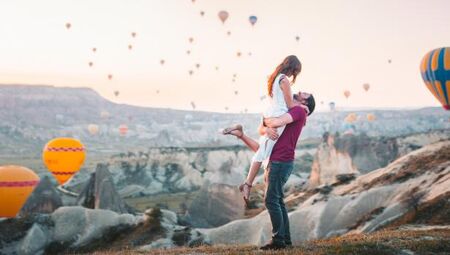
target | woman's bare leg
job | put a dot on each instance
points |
(251, 144)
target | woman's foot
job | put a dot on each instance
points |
(245, 190)
(235, 130)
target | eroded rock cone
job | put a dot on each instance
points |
(216, 204)
(44, 199)
(100, 193)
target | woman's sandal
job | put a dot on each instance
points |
(228, 130)
(241, 189)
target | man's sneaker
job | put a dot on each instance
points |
(273, 246)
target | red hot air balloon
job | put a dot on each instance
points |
(346, 93)
(110, 76)
(123, 129)
(223, 16)
(366, 86)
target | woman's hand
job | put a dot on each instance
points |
(272, 133)
(305, 108)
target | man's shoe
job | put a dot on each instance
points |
(273, 246)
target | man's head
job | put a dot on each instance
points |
(306, 99)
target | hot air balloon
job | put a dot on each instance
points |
(130, 47)
(197, 65)
(191, 39)
(245, 110)
(93, 129)
(123, 129)
(116, 93)
(104, 115)
(223, 16)
(188, 52)
(16, 185)
(202, 13)
(226, 108)
(370, 117)
(351, 117)
(162, 61)
(252, 20)
(68, 25)
(262, 97)
(193, 1)
(435, 70)
(217, 68)
(110, 76)
(389, 61)
(233, 80)
(238, 54)
(90, 64)
(94, 50)
(297, 38)
(366, 86)
(249, 54)
(191, 72)
(332, 106)
(133, 34)
(346, 93)
(63, 157)
(193, 105)
(236, 92)
(157, 91)
(228, 33)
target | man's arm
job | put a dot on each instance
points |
(283, 120)
(271, 132)
(295, 113)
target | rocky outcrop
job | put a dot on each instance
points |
(360, 154)
(100, 193)
(44, 199)
(216, 205)
(378, 199)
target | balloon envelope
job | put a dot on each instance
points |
(366, 86)
(16, 185)
(435, 70)
(93, 129)
(123, 129)
(223, 16)
(63, 157)
(346, 93)
(252, 20)
(371, 117)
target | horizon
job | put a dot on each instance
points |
(342, 43)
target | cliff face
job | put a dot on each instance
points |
(360, 154)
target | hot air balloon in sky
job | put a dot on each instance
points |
(93, 129)
(297, 38)
(238, 54)
(63, 157)
(228, 33)
(346, 93)
(202, 13)
(130, 47)
(116, 93)
(332, 106)
(94, 49)
(110, 76)
(191, 39)
(133, 34)
(191, 72)
(435, 70)
(16, 185)
(91, 64)
(197, 65)
(193, 105)
(252, 19)
(223, 16)
(123, 129)
(188, 52)
(162, 61)
(366, 86)
(68, 25)
(236, 92)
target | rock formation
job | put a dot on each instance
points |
(44, 199)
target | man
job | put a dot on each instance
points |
(281, 164)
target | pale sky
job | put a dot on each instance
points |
(343, 44)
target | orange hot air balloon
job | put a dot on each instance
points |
(123, 129)
(352, 117)
(371, 117)
(346, 93)
(223, 16)
(63, 157)
(16, 184)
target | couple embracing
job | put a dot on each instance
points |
(280, 129)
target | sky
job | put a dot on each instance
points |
(343, 44)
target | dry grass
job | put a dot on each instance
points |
(382, 242)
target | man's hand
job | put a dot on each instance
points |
(272, 133)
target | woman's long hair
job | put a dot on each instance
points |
(290, 66)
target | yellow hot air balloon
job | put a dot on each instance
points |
(435, 70)
(93, 129)
(346, 93)
(16, 184)
(64, 157)
(351, 117)
(371, 117)
(223, 16)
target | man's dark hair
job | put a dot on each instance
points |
(311, 103)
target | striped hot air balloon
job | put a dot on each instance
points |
(435, 70)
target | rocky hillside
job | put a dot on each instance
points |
(414, 189)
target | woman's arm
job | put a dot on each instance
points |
(270, 132)
(283, 120)
(285, 86)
